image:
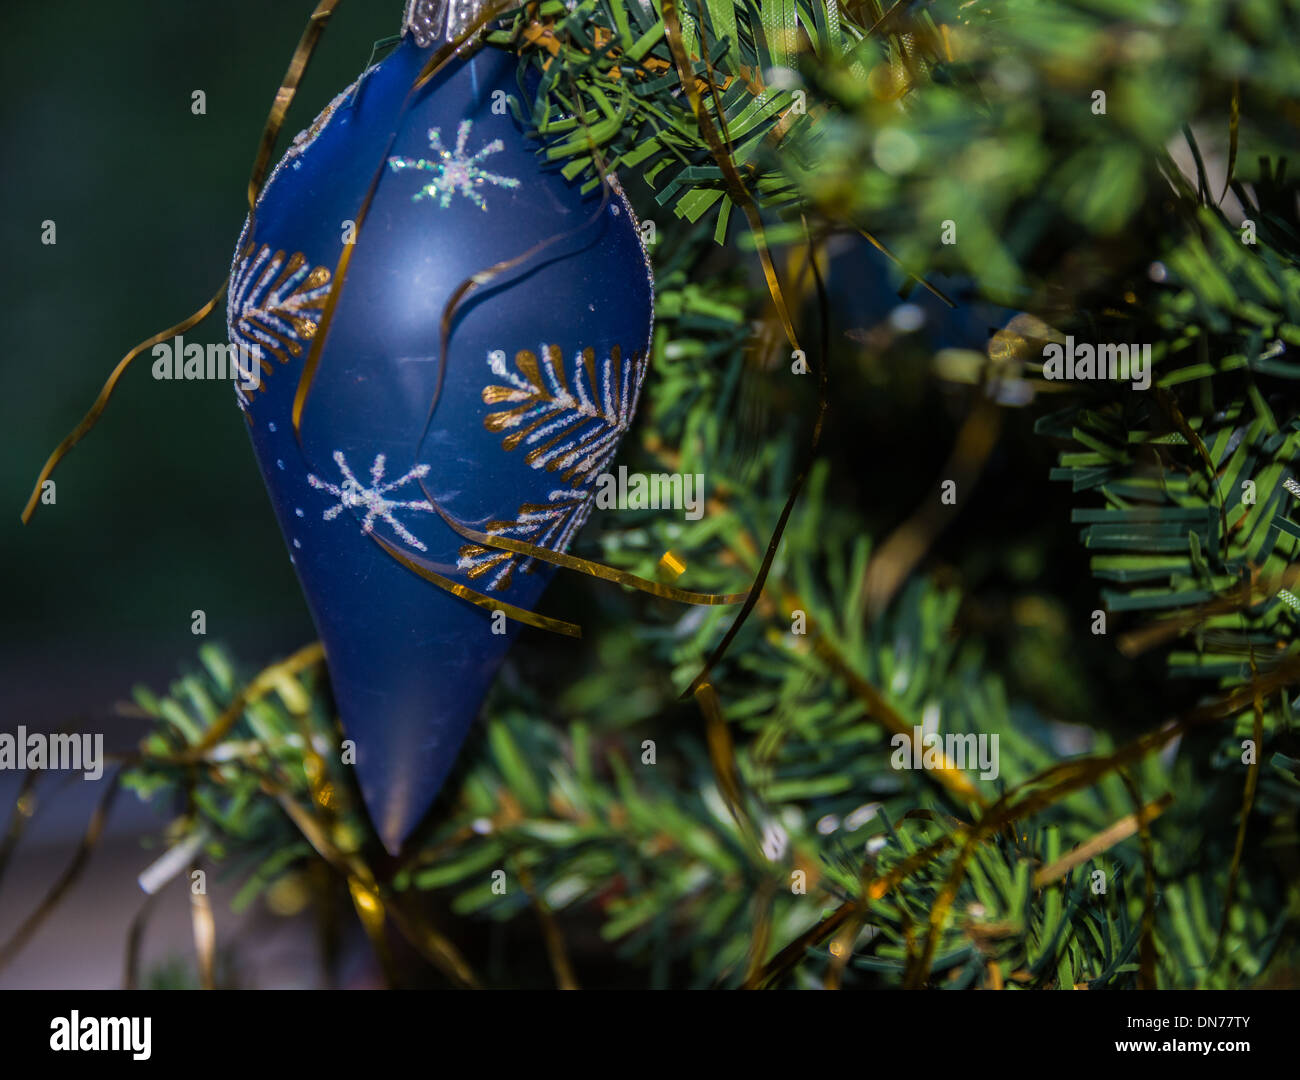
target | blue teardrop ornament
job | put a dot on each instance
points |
(540, 382)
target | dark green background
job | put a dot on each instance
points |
(160, 510)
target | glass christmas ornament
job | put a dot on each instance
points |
(538, 384)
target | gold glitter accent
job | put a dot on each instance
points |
(493, 557)
(256, 322)
(585, 418)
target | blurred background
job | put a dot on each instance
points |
(161, 510)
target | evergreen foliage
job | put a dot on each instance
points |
(773, 842)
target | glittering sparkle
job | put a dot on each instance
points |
(353, 495)
(569, 419)
(455, 171)
(275, 302)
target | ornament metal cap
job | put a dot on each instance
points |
(439, 20)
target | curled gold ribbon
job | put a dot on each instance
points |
(458, 296)
(432, 66)
(307, 378)
(587, 566)
(741, 197)
(254, 690)
(101, 402)
(270, 132)
(89, 842)
(722, 155)
(311, 365)
(518, 614)
(285, 94)
(760, 579)
(1028, 798)
(519, 547)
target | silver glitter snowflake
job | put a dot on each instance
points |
(353, 495)
(456, 172)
